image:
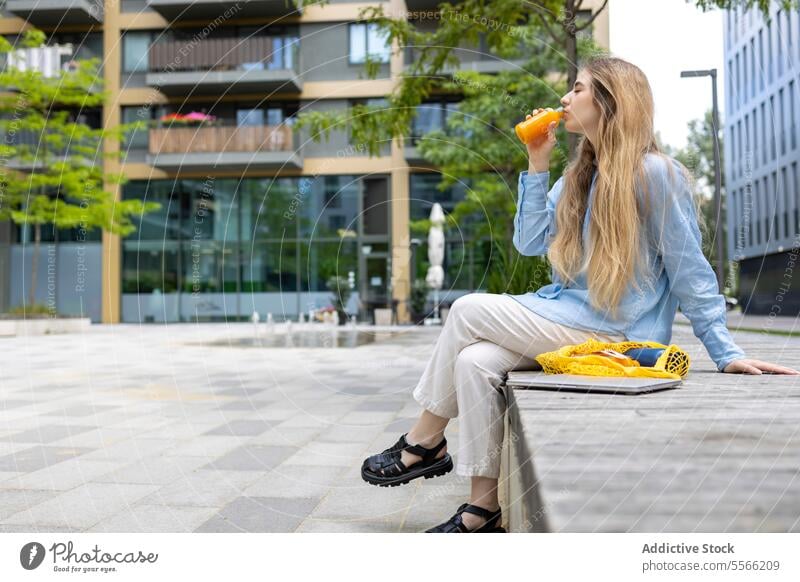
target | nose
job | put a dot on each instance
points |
(564, 101)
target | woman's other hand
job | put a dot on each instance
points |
(748, 366)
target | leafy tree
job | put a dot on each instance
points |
(52, 163)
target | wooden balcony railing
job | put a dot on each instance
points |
(221, 54)
(226, 138)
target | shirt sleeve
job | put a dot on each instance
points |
(673, 224)
(534, 221)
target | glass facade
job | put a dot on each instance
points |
(466, 258)
(223, 248)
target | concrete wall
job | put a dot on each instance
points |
(324, 50)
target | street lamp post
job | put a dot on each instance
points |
(720, 267)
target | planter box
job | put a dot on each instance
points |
(44, 326)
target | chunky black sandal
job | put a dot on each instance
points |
(456, 525)
(387, 470)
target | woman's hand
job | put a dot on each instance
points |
(748, 366)
(540, 147)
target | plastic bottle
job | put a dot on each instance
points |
(537, 125)
(645, 356)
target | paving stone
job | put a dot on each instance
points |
(252, 458)
(159, 470)
(81, 507)
(295, 481)
(204, 488)
(47, 433)
(141, 518)
(204, 446)
(318, 453)
(62, 476)
(260, 514)
(241, 428)
(35, 458)
(16, 500)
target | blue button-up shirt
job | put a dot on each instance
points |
(678, 272)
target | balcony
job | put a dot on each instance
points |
(212, 66)
(205, 9)
(229, 147)
(424, 5)
(57, 12)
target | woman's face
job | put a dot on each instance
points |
(581, 115)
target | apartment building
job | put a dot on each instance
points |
(762, 156)
(254, 216)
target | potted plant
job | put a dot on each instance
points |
(340, 287)
(419, 296)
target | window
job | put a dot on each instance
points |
(792, 127)
(249, 117)
(772, 136)
(752, 68)
(432, 116)
(793, 197)
(135, 46)
(763, 134)
(782, 121)
(761, 58)
(367, 39)
(779, 40)
(785, 198)
(137, 138)
(769, 51)
(745, 83)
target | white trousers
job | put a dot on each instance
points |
(484, 337)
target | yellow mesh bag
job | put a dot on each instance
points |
(582, 359)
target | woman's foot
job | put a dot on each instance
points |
(410, 458)
(472, 519)
(404, 461)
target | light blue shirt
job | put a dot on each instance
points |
(678, 272)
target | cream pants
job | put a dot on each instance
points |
(484, 337)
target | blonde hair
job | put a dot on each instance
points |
(624, 137)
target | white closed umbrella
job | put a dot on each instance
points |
(435, 276)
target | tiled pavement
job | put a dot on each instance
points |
(151, 429)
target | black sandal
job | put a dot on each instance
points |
(387, 470)
(456, 525)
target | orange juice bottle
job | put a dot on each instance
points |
(537, 125)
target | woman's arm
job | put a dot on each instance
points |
(673, 223)
(534, 221)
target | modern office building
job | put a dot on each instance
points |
(254, 216)
(762, 157)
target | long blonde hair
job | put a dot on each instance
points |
(624, 136)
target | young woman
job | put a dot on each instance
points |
(620, 230)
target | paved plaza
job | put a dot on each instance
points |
(199, 428)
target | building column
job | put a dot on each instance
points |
(401, 251)
(111, 257)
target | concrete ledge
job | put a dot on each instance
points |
(44, 326)
(722, 453)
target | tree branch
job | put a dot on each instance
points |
(549, 30)
(593, 18)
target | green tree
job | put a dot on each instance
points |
(52, 164)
